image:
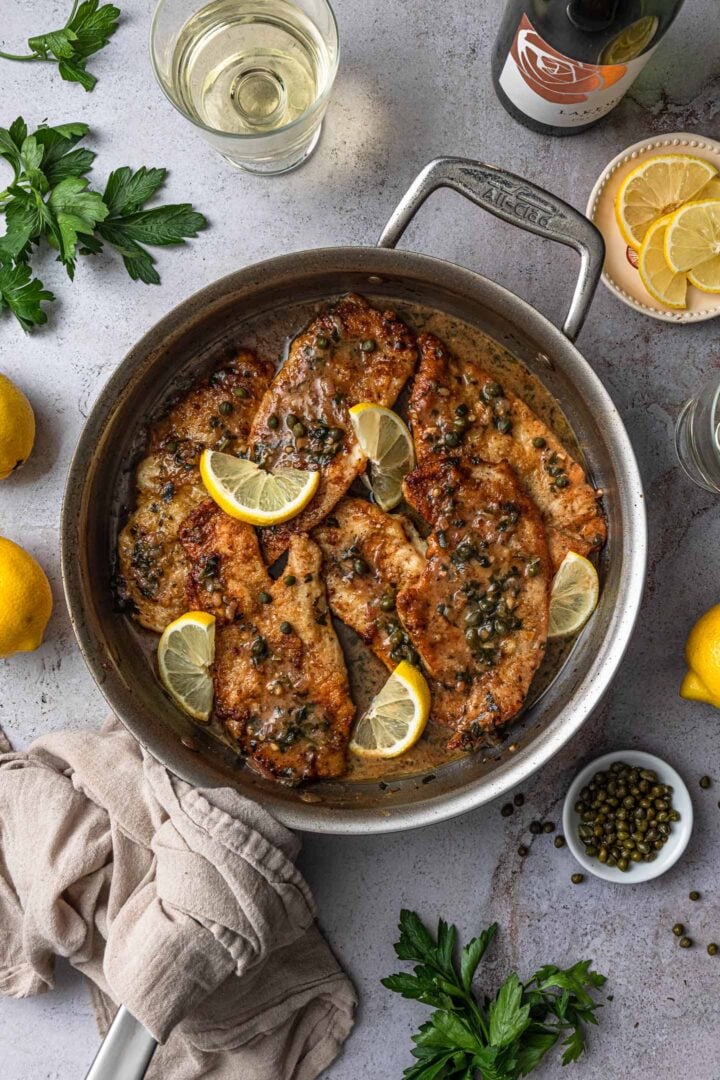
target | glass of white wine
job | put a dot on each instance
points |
(697, 437)
(253, 75)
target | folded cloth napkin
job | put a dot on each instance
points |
(183, 904)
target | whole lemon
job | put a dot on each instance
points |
(25, 600)
(702, 652)
(17, 427)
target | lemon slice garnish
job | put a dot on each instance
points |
(692, 237)
(185, 654)
(386, 441)
(396, 717)
(706, 276)
(657, 187)
(663, 284)
(574, 595)
(711, 189)
(247, 492)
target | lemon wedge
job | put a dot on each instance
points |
(663, 284)
(396, 717)
(247, 492)
(692, 238)
(657, 187)
(185, 654)
(386, 441)
(574, 595)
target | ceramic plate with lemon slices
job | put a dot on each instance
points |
(659, 252)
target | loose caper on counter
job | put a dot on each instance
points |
(626, 815)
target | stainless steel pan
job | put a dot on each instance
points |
(276, 293)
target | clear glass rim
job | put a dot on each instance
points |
(240, 135)
(715, 401)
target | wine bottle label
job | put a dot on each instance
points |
(559, 91)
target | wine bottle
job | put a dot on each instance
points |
(560, 65)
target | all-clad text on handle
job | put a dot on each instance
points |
(518, 202)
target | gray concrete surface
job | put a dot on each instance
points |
(413, 83)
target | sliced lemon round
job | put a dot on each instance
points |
(574, 595)
(665, 286)
(656, 187)
(706, 276)
(631, 41)
(711, 189)
(185, 654)
(247, 492)
(386, 441)
(396, 717)
(693, 235)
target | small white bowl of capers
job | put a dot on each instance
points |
(627, 816)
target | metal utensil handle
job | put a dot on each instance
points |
(125, 1051)
(518, 202)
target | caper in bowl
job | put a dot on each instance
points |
(627, 816)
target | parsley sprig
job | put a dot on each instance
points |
(502, 1038)
(50, 199)
(87, 30)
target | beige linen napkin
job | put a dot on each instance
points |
(183, 904)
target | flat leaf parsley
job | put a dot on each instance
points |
(87, 30)
(500, 1038)
(50, 199)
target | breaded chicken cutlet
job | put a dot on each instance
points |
(217, 414)
(281, 686)
(457, 409)
(349, 354)
(478, 615)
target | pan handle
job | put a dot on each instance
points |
(518, 202)
(125, 1051)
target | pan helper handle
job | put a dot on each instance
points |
(518, 202)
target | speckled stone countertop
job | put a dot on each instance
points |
(413, 83)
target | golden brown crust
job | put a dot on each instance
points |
(152, 562)
(363, 355)
(216, 413)
(281, 687)
(367, 559)
(286, 701)
(478, 615)
(556, 483)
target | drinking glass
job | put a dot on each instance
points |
(697, 437)
(254, 76)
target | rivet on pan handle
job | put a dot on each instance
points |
(518, 202)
